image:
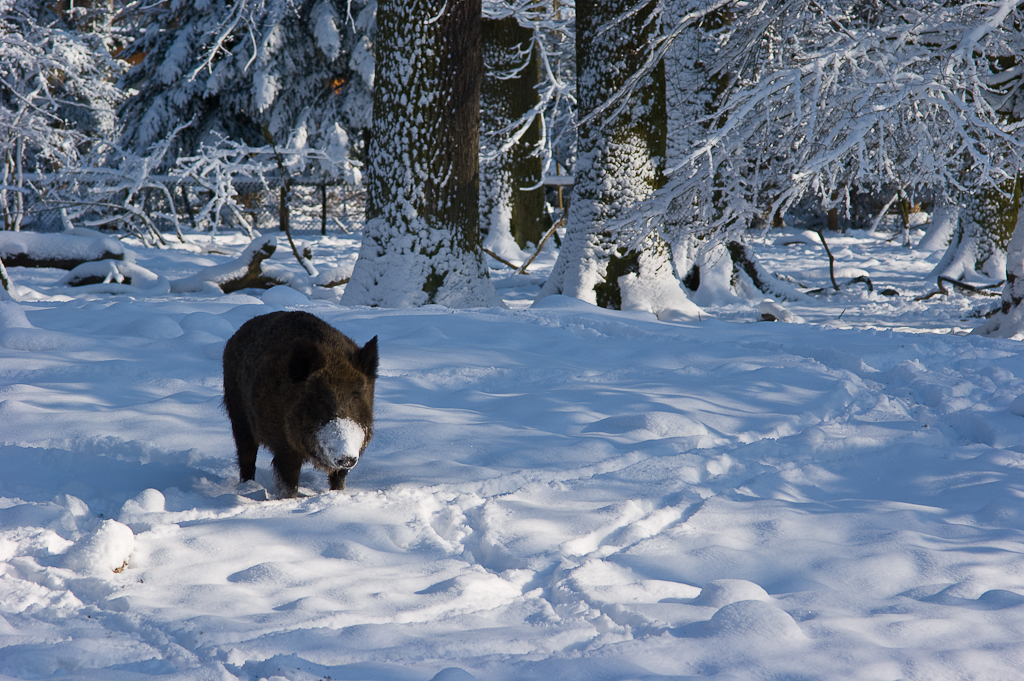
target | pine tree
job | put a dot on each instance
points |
(421, 243)
(56, 99)
(297, 71)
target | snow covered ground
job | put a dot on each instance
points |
(555, 492)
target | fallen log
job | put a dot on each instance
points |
(246, 271)
(115, 277)
(60, 250)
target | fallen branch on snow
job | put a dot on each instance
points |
(979, 289)
(244, 272)
(521, 269)
(116, 277)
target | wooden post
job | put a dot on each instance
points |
(323, 209)
(282, 208)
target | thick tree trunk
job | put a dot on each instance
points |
(421, 244)
(977, 250)
(508, 209)
(620, 162)
(1008, 321)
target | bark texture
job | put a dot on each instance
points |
(421, 244)
(1008, 320)
(620, 162)
(977, 250)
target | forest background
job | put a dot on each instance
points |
(685, 128)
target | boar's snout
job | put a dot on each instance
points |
(339, 443)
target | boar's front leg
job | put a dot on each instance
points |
(337, 478)
(245, 446)
(287, 466)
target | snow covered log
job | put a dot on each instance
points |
(115, 277)
(334, 276)
(244, 272)
(61, 250)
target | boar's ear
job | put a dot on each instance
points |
(303, 359)
(366, 359)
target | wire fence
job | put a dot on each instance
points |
(312, 204)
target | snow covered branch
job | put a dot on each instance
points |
(922, 99)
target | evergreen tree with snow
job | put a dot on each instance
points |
(421, 244)
(56, 99)
(299, 72)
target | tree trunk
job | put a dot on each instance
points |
(1008, 321)
(945, 217)
(421, 243)
(977, 251)
(511, 73)
(6, 285)
(620, 162)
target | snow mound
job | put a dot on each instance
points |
(12, 316)
(108, 548)
(723, 592)
(283, 296)
(209, 323)
(651, 425)
(453, 674)
(771, 311)
(17, 333)
(755, 620)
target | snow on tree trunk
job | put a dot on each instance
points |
(7, 292)
(508, 209)
(1008, 321)
(945, 217)
(977, 251)
(421, 243)
(620, 162)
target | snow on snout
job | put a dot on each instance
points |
(340, 442)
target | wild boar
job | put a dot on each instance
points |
(304, 390)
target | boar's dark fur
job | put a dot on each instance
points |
(287, 375)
